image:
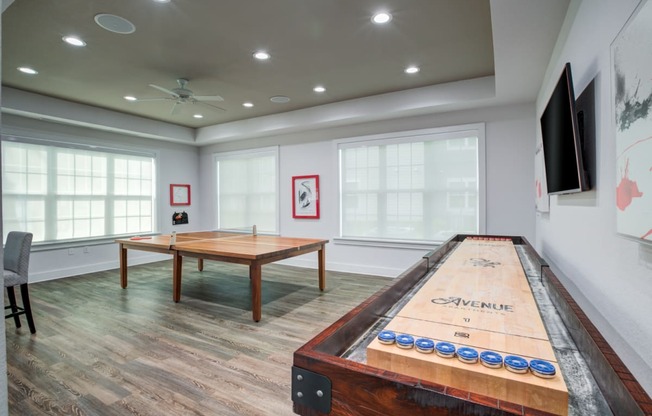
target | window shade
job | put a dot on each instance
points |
(417, 186)
(247, 190)
(62, 193)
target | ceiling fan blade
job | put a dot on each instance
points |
(208, 98)
(209, 105)
(176, 108)
(154, 99)
(165, 90)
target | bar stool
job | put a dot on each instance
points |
(16, 266)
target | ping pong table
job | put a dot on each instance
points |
(249, 249)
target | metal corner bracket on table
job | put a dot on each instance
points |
(311, 389)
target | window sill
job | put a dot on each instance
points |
(95, 241)
(401, 244)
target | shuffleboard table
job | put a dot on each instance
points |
(491, 293)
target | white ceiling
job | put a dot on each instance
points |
(471, 52)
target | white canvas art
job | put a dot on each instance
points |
(540, 189)
(305, 200)
(631, 55)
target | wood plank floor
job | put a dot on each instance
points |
(102, 350)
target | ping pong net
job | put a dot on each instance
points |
(211, 235)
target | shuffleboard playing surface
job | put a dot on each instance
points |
(480, 298)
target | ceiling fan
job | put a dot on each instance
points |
(183, 95)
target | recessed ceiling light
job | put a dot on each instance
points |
(130, 98)
(198, 116)
(162, 1)
(27, 70)
(247, 104)
(74, 41)
(115, 24)
(412, 69)
(319, 88)
(280, 99)
(381, 18)
(261, 55)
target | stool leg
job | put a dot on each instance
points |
(12, 303)
(28, 308)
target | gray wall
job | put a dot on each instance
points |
(177, 163)
(509, 136)
(509, 130)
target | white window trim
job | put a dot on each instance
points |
(25, 135)
(403, 137)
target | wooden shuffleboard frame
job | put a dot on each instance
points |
(355, 388)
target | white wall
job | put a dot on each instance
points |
(611, 276)
(510, 131)
(177, 163)
(510, 189)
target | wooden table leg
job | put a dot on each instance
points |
(123, 266)
(256, 283)
(322, 267)
(177, 266)
(200, 265)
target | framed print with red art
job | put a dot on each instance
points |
(631, 57)
(305, 196)
(179, 194)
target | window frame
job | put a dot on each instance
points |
(78, 143)
(407, 136)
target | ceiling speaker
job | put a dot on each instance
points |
(115, 24)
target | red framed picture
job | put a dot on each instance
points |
(305, 196)
(179, 194)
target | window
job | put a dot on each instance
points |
(247, 190)
(423, 185)
(61, 193)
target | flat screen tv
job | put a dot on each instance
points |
(562, 142)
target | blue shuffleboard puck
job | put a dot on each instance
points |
(467, 355)
(491, 359)
(445, 349)
(516, 364)
(425, 345)
(542, 369)
(404, 341)
(386, 337)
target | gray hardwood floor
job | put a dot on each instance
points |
(102, 350)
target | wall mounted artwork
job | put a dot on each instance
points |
(305, 196)
(179, 194)
(631, 57)
(542, 200)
